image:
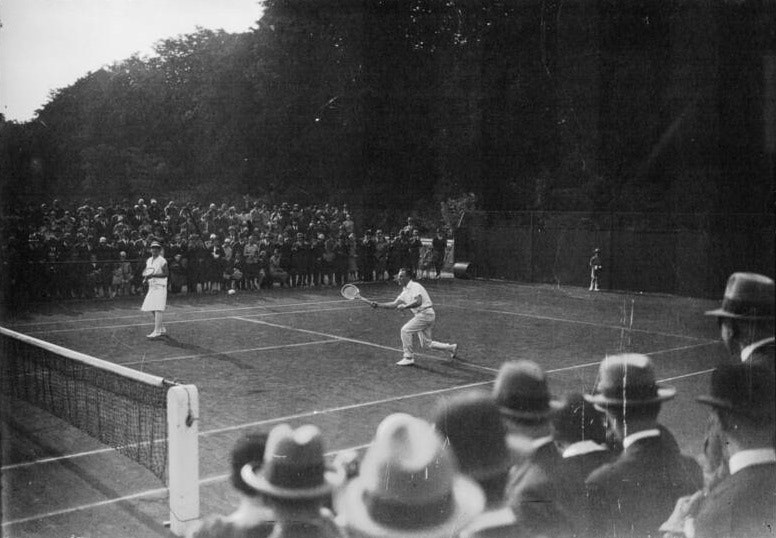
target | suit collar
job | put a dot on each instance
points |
(643, 434)
(748, 350)
(747, 458)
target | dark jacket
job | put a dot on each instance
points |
(742, 505)
(636, 493)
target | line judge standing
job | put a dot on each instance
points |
(155, 274)
(415, 298)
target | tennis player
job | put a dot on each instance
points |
(415, 298)
(155, 274)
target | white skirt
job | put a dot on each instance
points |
(156, 298)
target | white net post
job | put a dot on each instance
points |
(183, 456)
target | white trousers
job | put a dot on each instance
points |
(421, 324)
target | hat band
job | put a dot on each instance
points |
(747, 308)
(405, 516)
(537, 404)
(630, 392)
(296, 476)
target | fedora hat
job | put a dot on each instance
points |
(628, 380)
(521, 391)
(472, 424)
(747, 296)
(409, 486)
(742, 389)
(294, 466)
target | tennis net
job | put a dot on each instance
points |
(144, 417)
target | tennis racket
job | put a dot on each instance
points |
(148, 271)
(350, 292)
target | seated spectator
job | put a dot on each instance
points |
(252, 517)
(537, 491)
(633, 495)
(408, 485)
(295, 482)
(472, 424)
(276, 271)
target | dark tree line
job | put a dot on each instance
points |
(395, 105)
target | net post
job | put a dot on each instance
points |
(183, 456)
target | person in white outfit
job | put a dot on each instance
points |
(415, 298)
(155, 274)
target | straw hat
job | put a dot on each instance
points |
(747, 296)
(294, 466)
(409, 486)
(521, 391)
(628, 380)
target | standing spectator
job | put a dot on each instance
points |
(251, 253)
(471, 423)
(122, 276)
(295, 483)
(595, 266)
(742, 402)
(276, 271)
(366, 255)
(438, 250)
(352, 250)
(537, 489)
(177, 274)
(636, 493)
(252, 518)
(381, 255)
(414, 246)
(746, 319)
(408, 485)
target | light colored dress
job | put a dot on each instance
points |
(156, 298)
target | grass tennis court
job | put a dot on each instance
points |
(309, 356)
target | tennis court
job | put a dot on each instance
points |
(309, 356)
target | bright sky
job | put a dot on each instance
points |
(49, 44)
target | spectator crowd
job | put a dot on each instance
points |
(517, 462)
(87, 250)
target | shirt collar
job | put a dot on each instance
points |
(582, 447)
(541, 441)
(632, 438)
(747, 458)
(748, 350)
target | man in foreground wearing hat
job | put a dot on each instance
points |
(155, 274)
(744, 412)
(295, 482)
(636, 493)
(472, 424)
(746, 319)
(537, 488)
(408, 486)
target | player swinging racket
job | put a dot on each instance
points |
(415, 298)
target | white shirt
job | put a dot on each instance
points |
(157, 264)
(410, 292)
(630, 439)
(747, 458)
(582, 447)
(748, 350)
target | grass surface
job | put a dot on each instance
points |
(308, 356)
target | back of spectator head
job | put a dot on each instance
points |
(522, 394)
(578, 420)
(472, 425)
(408, 486)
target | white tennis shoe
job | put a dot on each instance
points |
(406, 362)
(154, 335)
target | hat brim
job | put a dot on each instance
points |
(663, 394)
(722, 313)
(332, 478)
(554, 407)
(468, 501)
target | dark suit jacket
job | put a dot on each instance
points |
(764, 356)
(743, 505)
(636, 493)
(576, 469)
(537, 493)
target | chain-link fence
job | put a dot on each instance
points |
(683, 254)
